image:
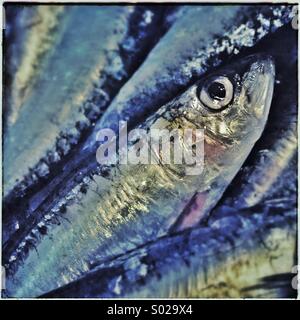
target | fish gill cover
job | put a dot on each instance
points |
(149, 151)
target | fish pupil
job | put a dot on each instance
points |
(217, 91)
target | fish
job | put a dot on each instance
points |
(238, 256)
(163, 79)
(196, 50)
(154, 78)
(137, 203)
(68, 107)
(69, 81)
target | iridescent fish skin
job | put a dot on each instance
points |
(235, 257)
(142, 202)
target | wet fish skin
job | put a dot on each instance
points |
(233, 258)
(269, 168)
(31, 195)
(208, 49)
(120, 215)
(61, 85)
(215, 34)
(273, 160)
(69, 82)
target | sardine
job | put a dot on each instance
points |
(65, 79)
(142, 202)
(196, 51)
(237, 256)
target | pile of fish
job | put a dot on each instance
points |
(75, 228)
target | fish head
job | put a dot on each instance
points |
(234, 102)
(231, 104)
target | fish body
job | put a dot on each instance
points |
(71, 65)
(137, 203)
(237, 256)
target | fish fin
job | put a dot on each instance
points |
(192, 213)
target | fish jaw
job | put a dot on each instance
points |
(261, 91)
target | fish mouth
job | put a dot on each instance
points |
(260, 91)
(265, 67)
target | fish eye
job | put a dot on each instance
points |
(216, 93)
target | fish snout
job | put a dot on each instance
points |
(260, 85)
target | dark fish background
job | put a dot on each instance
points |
(70, 70)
